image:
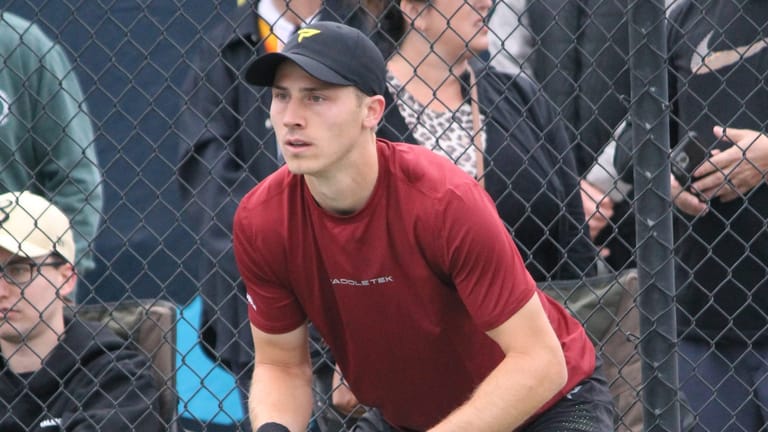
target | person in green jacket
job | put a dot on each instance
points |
(46, 137)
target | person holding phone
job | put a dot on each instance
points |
(717, 56)
(725, 175)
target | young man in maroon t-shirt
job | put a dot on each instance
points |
(401, 262)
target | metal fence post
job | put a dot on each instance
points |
(650, 117)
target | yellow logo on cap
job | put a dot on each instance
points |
(306, 33)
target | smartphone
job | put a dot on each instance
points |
(687, 155)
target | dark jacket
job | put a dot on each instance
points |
(227, 147)
(721, 268)
(90, 382)
(580, 59)
(530, 174)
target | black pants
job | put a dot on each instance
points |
(587, 408)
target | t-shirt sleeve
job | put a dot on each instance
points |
(272, 305)
(481, 258)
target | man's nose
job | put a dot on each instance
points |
(482, 6)
(6, 288)
(293, 115)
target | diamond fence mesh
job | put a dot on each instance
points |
(135, 120)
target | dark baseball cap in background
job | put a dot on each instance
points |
(332, 53)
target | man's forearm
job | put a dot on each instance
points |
(282, 395)
(513, 392)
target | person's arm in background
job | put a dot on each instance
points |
(603, 184)
(68, 170)
(281, 389)
(510, 43)
(598, 207)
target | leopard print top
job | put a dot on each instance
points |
(446, 133)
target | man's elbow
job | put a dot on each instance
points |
(554, 371)
(561, 371)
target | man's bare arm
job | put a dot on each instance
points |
(281, 390)
(532, 372)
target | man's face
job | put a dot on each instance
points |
(319, 126)
(31, 306)
(454, 26)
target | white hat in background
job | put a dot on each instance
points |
(32, 227)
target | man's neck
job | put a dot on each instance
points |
(28, 355)
(347, 189)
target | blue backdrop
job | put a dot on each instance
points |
(131, 57)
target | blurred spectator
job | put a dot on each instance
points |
(718, 52)
(46, 133)
(57, 372)
(511, 139)
(578, 52)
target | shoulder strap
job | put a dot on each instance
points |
(477, 137)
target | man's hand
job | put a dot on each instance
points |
(344, 401)
(731, 173)
(685, 200)
(598, 208)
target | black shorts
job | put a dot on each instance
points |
(587, 408)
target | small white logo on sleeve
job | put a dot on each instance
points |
(250, 302)
(706, 61)
(50, 422)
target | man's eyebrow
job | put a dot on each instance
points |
(19, 260)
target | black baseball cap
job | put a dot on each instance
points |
(329, 51)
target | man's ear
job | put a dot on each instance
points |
(373, 111)
(69, 277)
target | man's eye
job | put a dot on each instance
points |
(279, 96)
(16, 271)
(316, 98)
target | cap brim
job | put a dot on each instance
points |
(261, 71)
(28, 250)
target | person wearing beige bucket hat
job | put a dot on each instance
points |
(56, 371)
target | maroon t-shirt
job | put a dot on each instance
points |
(404, 290)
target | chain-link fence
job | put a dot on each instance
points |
(134, 118)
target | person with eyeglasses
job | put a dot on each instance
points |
(56, 371)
